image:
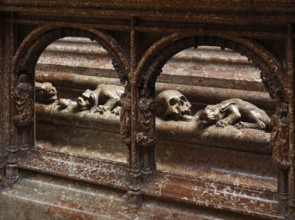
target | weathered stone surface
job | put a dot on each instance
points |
(204, 75)
(222, 175)
(45, 197)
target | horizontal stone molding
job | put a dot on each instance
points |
(248, 140)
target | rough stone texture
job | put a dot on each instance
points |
(206, 67)
(206, 72)
(45, 197)
(225, 176)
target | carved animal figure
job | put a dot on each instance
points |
(236, 112)
(103, 98)
(45, 92)
(64, 103)
(171, 104)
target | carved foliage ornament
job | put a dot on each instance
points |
(279, 137)
(146, 115)
(280, 133)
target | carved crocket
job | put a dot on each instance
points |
(103, 98)
(236, 112)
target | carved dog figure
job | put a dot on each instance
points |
(45, 92)
(103, 98)
(236, 112)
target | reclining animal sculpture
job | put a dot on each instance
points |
(237, 112)
(103, 98)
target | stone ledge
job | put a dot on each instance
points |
(72, 85)
(248, 140)
(106, 173)
(37, 196)
(239, 199)
(253, 201)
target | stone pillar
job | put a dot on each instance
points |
(135, 194)
(146, 133)
(1, 100)
(8, 80)
(290, 71)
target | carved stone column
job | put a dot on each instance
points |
(11, 166)
(290, 58)
(134, 193)
(7, 82)
(125, 120)
(1, 100)
(24, 104)
(279, 139)
(146, 133)
(134, 175)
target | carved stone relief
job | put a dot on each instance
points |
(23, 95)
(125, 117)
(237, 112)
(168, 105)
(145, 136)
(103, 98)
(147, 106)
(64, 103)
(279, 138)
(280, 133)
(45, 92)
(156, 38)
(171, 104)
(24, 117)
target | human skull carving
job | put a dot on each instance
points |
(171, 104)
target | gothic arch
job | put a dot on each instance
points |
(23, 69)
(155, 58)
(272, 74)
(33, 45)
